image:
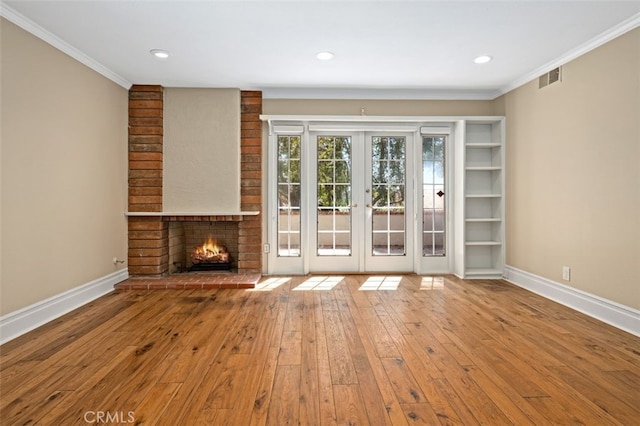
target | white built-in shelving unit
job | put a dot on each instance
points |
(482, 217)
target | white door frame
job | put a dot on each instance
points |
(336, 263)
(381, 263)
(360, 125)
(361, 258)
(277, 264)
(436, 264)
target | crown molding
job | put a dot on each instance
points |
(377, 94)
(599, 40)
(28, 25)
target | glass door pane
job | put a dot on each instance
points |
(334, 180)
(433, 196)
(388, 190)
(288, 196)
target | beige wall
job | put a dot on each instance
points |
(375, 107)
(201, 150)
(573, 173)
(64, 172)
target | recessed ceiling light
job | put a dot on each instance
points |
(483, 59)
(325, 56)
(159, 53)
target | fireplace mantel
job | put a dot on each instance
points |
(195, 214)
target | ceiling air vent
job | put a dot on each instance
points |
(550, 77)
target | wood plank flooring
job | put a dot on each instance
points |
(422, 351)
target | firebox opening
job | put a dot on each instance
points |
(210, 256)
(203, 246)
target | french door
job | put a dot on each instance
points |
(360, 203)
(364, 200)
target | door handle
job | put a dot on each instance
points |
(354, 205)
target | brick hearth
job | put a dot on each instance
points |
(149, 235)
(193, 280)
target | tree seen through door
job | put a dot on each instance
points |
(334, 196)
(388, 176)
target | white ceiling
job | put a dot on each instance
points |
(383, 49)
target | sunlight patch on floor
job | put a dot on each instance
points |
(320, 283)
(271, 284)
(381, 283)
(432, 283)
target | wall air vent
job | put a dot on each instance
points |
(550, 77)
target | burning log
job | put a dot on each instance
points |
(210, 252)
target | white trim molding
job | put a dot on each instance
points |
(198, 214)
(378, 94)
(605, 37)
(612, 313)
(31, 27)
(19, 322)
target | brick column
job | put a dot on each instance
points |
(250, 228)
(148, 236)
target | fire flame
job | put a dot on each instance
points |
(210, 252)
(210, 248)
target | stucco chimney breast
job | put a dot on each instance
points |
(201, 150)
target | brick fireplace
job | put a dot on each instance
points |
(157, 243)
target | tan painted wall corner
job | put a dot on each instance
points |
(573, 181)
(63, 172)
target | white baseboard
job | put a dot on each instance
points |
(612, 313)
(19, 322)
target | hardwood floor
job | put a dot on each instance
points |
(316, 351)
